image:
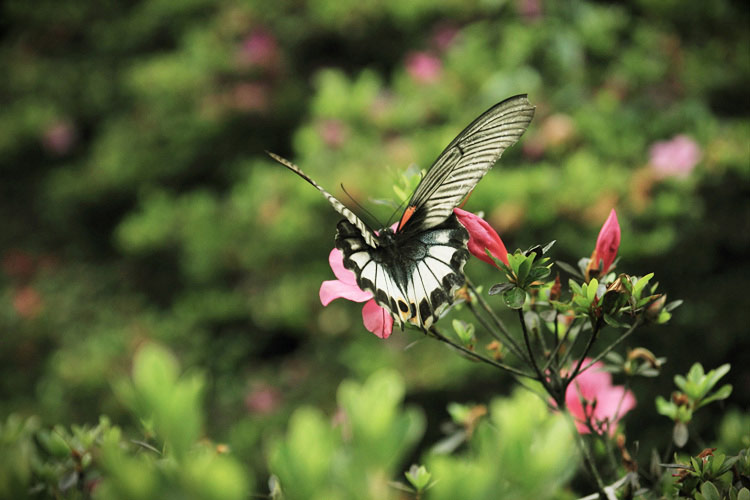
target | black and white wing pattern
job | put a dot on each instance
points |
(414, 279)
(463, 163)
(415, 270)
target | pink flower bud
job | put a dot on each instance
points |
(481, 237)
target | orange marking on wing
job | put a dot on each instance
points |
(407, 215)
(466, 198)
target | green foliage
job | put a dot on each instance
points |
(694, 394)
(357, 457)
(712, 476)
(520, 451)
(99, 462)
(137, 203)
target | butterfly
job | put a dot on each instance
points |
(414, 270)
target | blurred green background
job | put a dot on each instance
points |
(137, 203)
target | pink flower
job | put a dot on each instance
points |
(530, 10)
(481, 237)
(607, 243)
(595, 403)
(675, 158)
(424, 67)
(263, 399)
(59, 138)
(444, 36)
(259, 48)
(376, 319)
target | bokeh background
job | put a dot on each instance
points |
(136, 201)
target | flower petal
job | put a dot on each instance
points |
(604, 402)
(608, 242)
(335, 289)
(377, 320)
(336, 261)
(481, 237)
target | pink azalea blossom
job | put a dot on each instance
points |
(424, 67)
(595, 403)
(481, 237)
(675, 158)
(259, 48)
(607, 243)
(263, 399)
(376, 319)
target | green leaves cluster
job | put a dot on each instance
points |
(520, 451)
(714, 476)
(171, 459)
(696, 391)
(356, 458)
(524, 272)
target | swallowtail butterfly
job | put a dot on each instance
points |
(415, 270)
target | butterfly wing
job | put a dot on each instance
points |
(414, 280)
(368, 236)
(464, 162)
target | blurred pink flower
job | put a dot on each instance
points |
(481, 237)
(263, 399)
(59, 138)
(675, 158)
(27, 302)
(607, 243)
(376, 319)
(18, 264)
(530, 10)
(259, 48)
(424, 67)
(333, 132)
(443, 36)
(595, 403)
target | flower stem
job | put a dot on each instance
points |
(496, 335)
(500, 325)
(587, 458)
(479, 357)
(615, 343)
(539, 375)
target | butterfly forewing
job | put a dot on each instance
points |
(464, 162)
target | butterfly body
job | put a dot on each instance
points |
(414, 271)
(414, 277)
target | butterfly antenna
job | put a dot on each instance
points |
(359, 205)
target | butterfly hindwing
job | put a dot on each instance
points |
(414, 279)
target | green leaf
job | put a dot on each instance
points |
(744, 494)
(709, 491)
(569, 269)
(500, 288)
(723, 393)
(575, 287)
(666, 408)
(716, 374)
(524, 268)
(418, 477)
(514, 298)
(641, 284)
(680, 434)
